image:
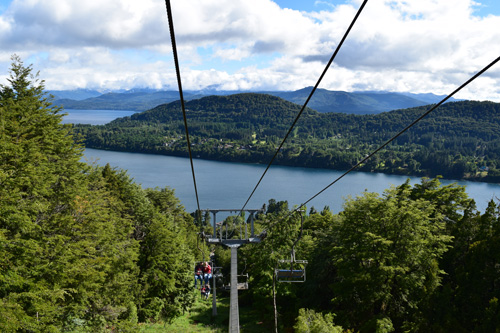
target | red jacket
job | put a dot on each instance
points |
(207, 269)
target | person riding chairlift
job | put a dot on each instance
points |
(207, 270)
(198, 274)
(205, 291)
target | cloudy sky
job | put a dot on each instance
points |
(419, 46)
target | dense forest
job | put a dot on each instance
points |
(458, 140)
(82, 247)
(85, 249)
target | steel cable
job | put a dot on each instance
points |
(179, 83)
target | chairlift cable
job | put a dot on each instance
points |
(179, 82)
(300, 234)
(392, 139)
(307, 100)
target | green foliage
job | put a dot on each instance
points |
(166, 272)
(379, 262)
(378, 325)
(262, 260)
(310, 321)
(386, 255)
(81, 247)
(467, 302)
(39, 177)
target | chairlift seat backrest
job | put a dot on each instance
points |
(286, 273)
(291, 271)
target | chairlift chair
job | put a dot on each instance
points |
(292, 270)
(242, 280)
(242, 283)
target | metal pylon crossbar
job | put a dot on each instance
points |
(220, 234)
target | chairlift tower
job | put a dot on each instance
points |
(222, 237)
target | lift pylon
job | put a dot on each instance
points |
(222, 236)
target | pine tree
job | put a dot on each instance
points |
(39, 174)
(68, 255)
(166, 259)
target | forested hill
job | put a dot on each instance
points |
(243, 112)
(458, 140)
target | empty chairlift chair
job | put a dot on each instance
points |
(243, 282)
(292, 270)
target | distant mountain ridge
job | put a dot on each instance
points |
(353, 103)
(323, 100)
(77, 94)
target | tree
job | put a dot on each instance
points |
(262, 260)
(310, 321)
(40, 174)
(468, 299)
(384, 254)
(81, 247)
(166, 259)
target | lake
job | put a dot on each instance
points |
(223, 185)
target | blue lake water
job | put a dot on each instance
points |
(223, 185)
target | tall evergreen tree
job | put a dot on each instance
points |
(68, 258)
(40, 174)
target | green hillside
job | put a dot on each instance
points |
(458, 140)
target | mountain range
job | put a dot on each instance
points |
(323, 100)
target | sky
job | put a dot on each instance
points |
(416, 46)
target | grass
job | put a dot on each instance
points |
(200, 319)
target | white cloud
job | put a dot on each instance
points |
(397, 45)
(233, 53)
(73, 23)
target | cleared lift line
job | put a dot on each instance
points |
(234, 312)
